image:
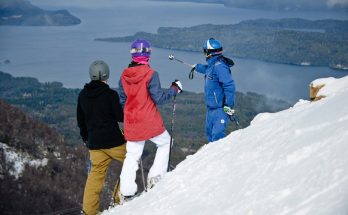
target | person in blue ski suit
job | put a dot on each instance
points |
(219, 89)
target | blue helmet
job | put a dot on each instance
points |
(212, 47)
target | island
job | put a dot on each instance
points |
(23, 13)
(276, 5)
(288, 41)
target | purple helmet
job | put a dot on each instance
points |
(140, 48)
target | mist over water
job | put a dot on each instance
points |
(64, 53)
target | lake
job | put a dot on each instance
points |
(64, 53)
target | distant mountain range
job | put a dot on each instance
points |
(22, 12)
(289, 41)
(280, 5)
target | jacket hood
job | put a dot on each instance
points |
(229, 62)
(95, 88)
(135, 74)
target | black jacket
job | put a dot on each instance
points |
(98, 113)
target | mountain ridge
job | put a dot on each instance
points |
(23, 13)
(288, 41)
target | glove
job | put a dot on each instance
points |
(228, 110)
(177, 85)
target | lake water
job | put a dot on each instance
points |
(64, 53)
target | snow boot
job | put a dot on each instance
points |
(124, 199)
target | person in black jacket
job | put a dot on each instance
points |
(98, 113)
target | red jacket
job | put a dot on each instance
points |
(142, 120)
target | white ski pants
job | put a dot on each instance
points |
(128, 186)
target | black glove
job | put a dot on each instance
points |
(192, 71)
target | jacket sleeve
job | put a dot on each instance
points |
(159, 95)
(81, 121)
(201, 68)
(123, 96)
(116, 107)
(227, 82)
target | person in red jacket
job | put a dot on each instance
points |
(140, 93)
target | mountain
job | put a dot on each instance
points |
(290, 162)
(280, 5)
(38, 172)
(289, 41)
(22, 12)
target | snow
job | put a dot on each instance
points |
(333, 86)
(294, 162)
(19, 160)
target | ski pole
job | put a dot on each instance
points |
(142, 173)
(172, 57)
(231, 114)
(172, 134)
(234, 118)
(115, 197)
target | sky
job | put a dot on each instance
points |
(290, 4)
(293, 162)
(265, 4)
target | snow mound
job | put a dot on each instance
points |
(293, 162)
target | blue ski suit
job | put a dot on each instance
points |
(219, 91)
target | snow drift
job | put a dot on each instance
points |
(291, 162)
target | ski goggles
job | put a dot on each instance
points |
(141, 50)
(212, 51)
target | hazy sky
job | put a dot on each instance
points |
(300, 4)
(84, 3)
(265, 4)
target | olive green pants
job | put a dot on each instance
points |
(100, 161)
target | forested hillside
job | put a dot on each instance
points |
(38, 172)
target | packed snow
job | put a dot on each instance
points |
(294, 162)
(18, 160)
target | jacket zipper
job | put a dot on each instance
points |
(215, 98)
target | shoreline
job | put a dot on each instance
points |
(302, 64)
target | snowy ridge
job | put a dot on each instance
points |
(19, 160)
(293, 162)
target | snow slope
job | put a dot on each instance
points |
(293, 162)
